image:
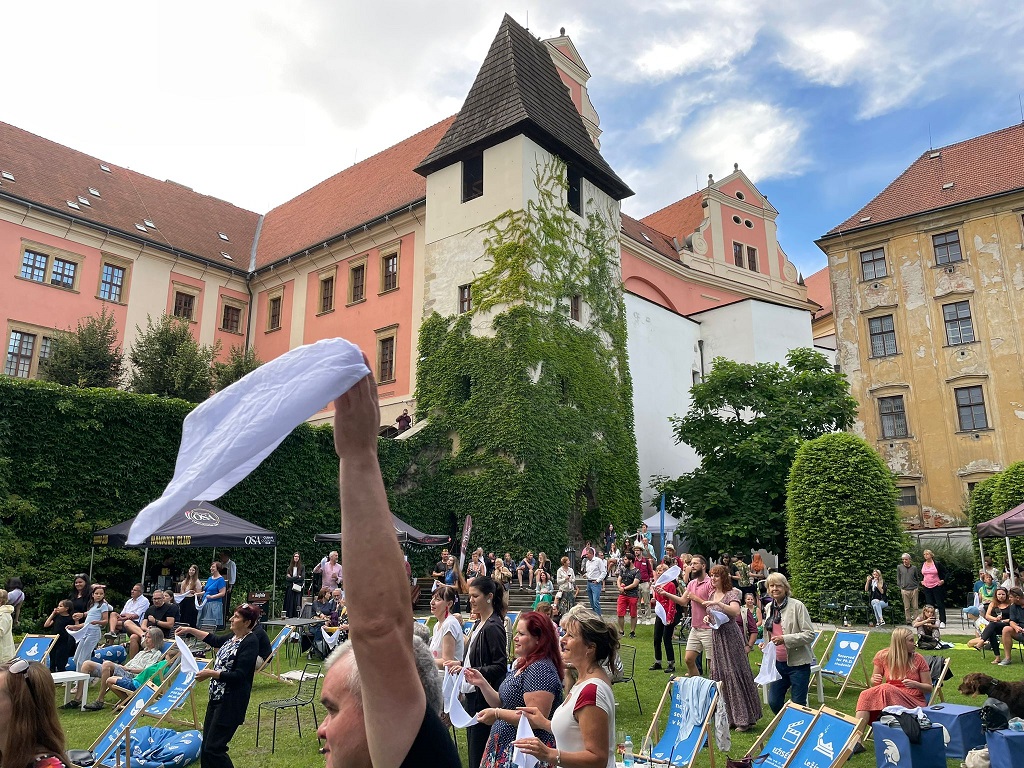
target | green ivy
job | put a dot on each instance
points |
(980, 510)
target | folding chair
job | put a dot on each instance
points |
(164, 670)
(104, 749)
(938, 666)
(683, 736)
(627, 653)
(829, 741)
(844, 652)
(783, 735)
(821, 691)
(306, 695)
(275, 646)
(174, 697)
(35, 647)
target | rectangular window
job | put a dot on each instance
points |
(274, 314)
(465, 298)
(231, 320)
(737, 254)
(959, 328)
(389, 272)
(327, 294)
(357, 283)
(907, 496)
(883, 336)
(894, 417)
(184, 305)
(19, 354)
(473, 177)
(574, 192)
(33, 266)
(970, 408)
(386, 359)
(576, 308)
(45, 345)
(63, 273)
(947, 247)
(872, 264)
(112, 282)
(752, 258)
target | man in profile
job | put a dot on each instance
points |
(377, 713)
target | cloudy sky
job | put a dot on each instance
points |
(821, 104)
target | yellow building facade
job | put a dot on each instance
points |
(927, 289)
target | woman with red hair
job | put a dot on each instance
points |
(535, 681)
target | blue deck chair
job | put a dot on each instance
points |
(35, 647)
(174, 697)
(104, 749)
(829, 741)
(843, 654)
(677, 747)
(275, 646)
(783, 736)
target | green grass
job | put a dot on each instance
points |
(82, 728)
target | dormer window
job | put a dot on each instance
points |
(574, 193)
(473, 177)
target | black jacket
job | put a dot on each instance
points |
(238, 679)
(489, 657)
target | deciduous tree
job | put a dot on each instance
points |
(239, 363)
(166, 360)
(89, 356)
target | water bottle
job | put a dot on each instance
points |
(627, 753)
(645, 752)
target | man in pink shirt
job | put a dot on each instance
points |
(698, 593)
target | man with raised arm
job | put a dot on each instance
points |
(377, 713)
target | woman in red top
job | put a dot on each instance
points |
(901, 678)
(663, 628)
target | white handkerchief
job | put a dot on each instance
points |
(768, 673)
(78, 634)
(226, 437)
(331, 638)
(716, 619)
(182, 596)
(659, 611)
(446, 689)
(456, 712)
(524, 731)
(188, 661)
(200, 603)
(670, 575)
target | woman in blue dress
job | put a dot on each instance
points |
(211, 607)
(535, 681)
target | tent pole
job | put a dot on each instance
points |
(92, 558)
(1009, 561)
(981, 551)
(145, 560)
(273, 595)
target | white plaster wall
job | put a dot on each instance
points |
(147, 294)
(754, 331)
(663, 354)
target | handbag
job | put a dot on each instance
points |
(746, 761)
(978, 758)
(296, 587)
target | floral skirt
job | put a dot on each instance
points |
(499, 750)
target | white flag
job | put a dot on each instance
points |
(670, 575)
(524, 731)
(226, 437)
(188, 661)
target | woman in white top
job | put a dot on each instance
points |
(584, 724)
(565, 587)
(447, 643)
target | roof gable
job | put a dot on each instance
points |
(819, 290)
(680, 219)
(375, 187)
(518, 91)
(986, 165)
(49, 175)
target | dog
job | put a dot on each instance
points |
(1010, 693)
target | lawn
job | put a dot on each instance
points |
(82, 728)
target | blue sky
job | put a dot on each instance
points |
(821, 104)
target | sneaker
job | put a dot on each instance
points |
(670, 669)
(881, 623)
(96, 706)
(654, 666)
(1005, 663)
(110, 637)
(632, 634)
(942, 625)
(858, 748)
(73, 704)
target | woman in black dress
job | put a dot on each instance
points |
(230, 678)
(295, 577)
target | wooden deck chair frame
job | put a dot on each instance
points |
(818, 669)
(704, 729)
(35, 638)
(843, 754)
(100, 757)
(165, 688)
(936, 694)
(274, 660)
(761, 741)
(126, 694)
(821, 690)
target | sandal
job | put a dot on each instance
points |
(996, 660)
(73, 704)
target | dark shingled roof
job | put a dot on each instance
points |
(518, 91)
(649, 236)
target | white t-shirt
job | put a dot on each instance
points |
(450, 626)
(566, 729)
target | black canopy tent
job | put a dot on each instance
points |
(405, 532)
(1004, 526)
(197, 524)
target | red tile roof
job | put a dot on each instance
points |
(980, 167)
(376, 186)
(49, 174)
(819, 290)
(660, 242)
(680, 219)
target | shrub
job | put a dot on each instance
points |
(842, 516)
(979, 510)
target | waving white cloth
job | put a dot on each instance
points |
(768, 673)
(659, 611)
(456, 712)
(670, 574)
(78, 634)
(331, 638)
(188, 661)
(524, 731)
(716, 619)
(226, 437)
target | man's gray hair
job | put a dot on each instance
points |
(425, 668)
(906, 555)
